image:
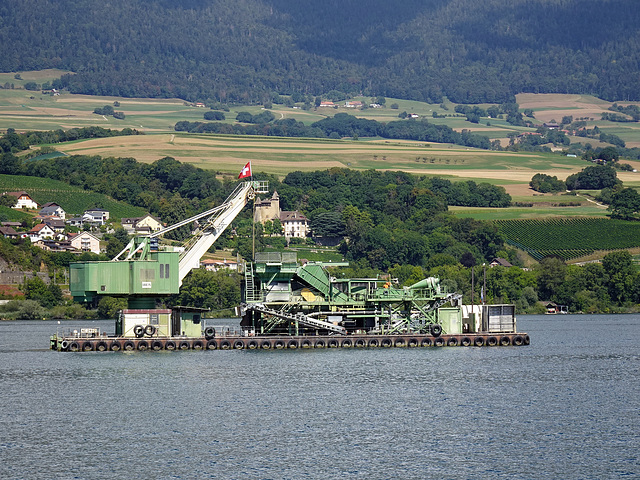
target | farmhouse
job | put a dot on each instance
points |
(500, 262)
(8, 232)
(23, 200)
(327, 104)
(353, 104)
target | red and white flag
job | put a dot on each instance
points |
(246, 171)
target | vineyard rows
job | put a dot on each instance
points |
(74, 200)
(569, 238)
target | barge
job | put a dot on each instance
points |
(286, 304)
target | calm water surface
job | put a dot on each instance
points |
(565, 407)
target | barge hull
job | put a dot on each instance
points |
(114, 344)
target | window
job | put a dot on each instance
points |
(164, 270)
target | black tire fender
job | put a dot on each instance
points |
(436, 330)
(209, 333)
(150, 330)
(138, 331)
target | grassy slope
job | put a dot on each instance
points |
(73, 200)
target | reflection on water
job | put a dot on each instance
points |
(567, 406)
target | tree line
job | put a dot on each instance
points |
(344, 125)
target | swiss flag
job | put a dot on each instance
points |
(246, 171)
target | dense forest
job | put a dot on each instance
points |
(247, 50)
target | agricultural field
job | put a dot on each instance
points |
(73, 200)
(29, 110)
(570, 238)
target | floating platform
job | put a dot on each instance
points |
(79, 343)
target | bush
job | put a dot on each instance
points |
(214, 116)
(31, 310)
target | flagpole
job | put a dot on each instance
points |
(253, 219)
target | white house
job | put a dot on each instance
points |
(40, 232)
(23, 200)
(96, 216)
(294, 224)
(215, 265)
(85, 242)
(52, 209)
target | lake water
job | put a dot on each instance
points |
(565, 407)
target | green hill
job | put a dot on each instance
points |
(247, 50)
(73, 200)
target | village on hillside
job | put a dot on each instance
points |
(56, 231)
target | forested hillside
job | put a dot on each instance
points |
(247, 50)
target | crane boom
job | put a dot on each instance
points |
(143, 271)
(218, 220)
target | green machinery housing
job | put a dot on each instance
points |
(284, 297)
(141, 280)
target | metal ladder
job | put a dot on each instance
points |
(249, 284)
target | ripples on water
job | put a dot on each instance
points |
(565, 407)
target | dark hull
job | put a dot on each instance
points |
(106, 344)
